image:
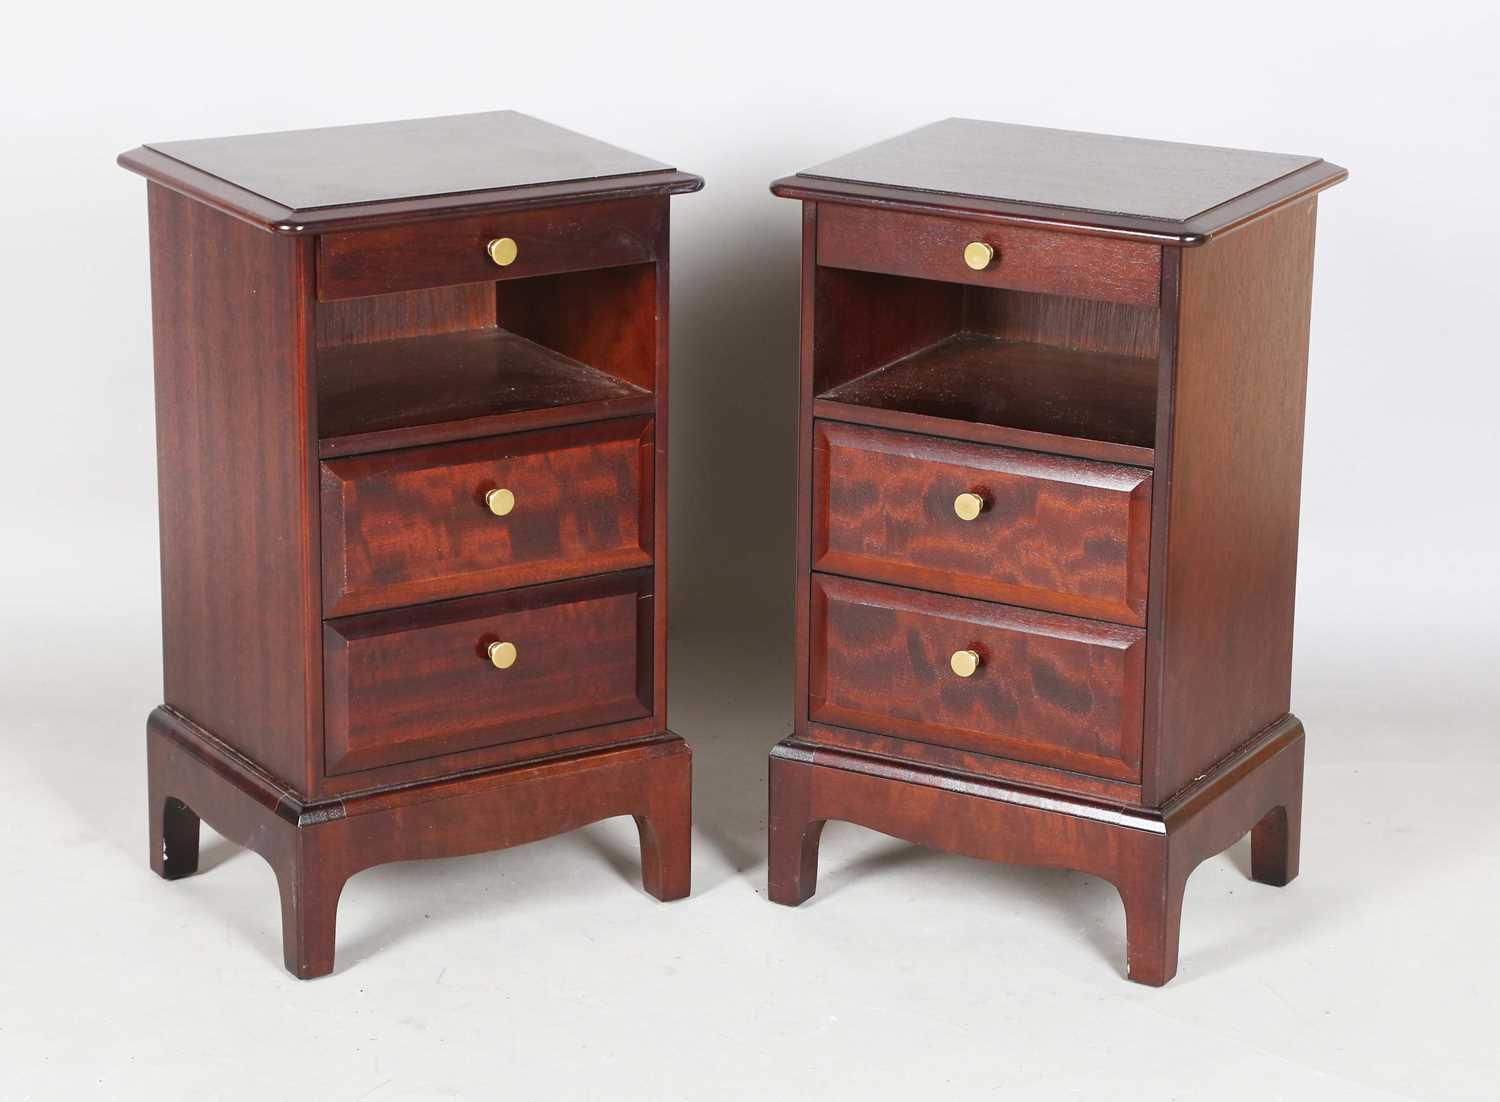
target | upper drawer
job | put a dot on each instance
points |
(418, 524)
(927, 247)
(1069, 535)
(1031, 686)
(418, 683)
(456, 250)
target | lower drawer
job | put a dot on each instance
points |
(421, 682)
(1047, 689)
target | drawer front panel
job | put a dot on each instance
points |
(929, 247)
(451, 251)
(1068, 535)
(407, 526)
(1051, 690)
(418, 683)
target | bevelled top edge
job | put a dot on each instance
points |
(335, 174)
(1164, 190)
(1195, 231)
(276, 218)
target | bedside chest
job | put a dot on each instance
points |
(1050, 463)
(411, 387)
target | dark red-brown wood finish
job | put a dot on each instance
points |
(1049, 461)
(332, 179)
(1097, 185)
(231, 311)
(1147, 853)
(926, 247)
(1052, 533)
(1051, 690)
(412, 500)
(1227, 519)
(451, 251)
(412, 525)
(412, 684)
(315, 847)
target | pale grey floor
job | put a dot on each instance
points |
(545, 972)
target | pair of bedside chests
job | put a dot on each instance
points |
(411, 412)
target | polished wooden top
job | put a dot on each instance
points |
(1138, 186)
(302, 181)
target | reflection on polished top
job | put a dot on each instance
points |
(409, 159)
(1061, 168)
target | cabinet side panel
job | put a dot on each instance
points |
(661, 286)
(1234, 474)
(231, 312)
(802, 596)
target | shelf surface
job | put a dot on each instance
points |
(452, 386)
(1089, 397)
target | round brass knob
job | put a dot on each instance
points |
(968, 506)
(502, 655)
(501, 501)
(964, 662)
(502, 251)
(978, 255)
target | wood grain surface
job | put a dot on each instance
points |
(1098, 185)
(1026, 259)
(458, 385)
(1074, 324)
(608, 318)
(340, 166)
(1052, 690)
(1147, 854)
(975, 763)
(412, 525)
(336, 179)
(417, 682)
(231, 310)
(1035, 388)
(1158, 331)
(1226, 519)
(449, 251)
(420, 313)
(1061, 534)
(378, 335)
(315, 847)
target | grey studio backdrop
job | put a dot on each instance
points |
(545, 968)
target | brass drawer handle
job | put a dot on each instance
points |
(502, 655)
(968, 506)
(500, 502)
(964, 662)
(977, 255)
(502, 251)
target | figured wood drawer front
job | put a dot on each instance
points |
(1069, 535)
(454, 250)
(929, 247)
(1049, 689)
(418, 683)
(414, 525)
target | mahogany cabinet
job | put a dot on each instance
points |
(1052, 391)
(411, 387)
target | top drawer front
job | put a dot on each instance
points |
(413, 525)
(928, 247)
(1066, 535)
(454, 250)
